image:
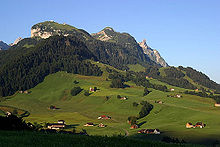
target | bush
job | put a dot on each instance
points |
(86, 93)
(135, 104)
(146, 91)
(75, 91)
(145, 110)
(118, 96)
(117, 83)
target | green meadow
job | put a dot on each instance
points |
(170, 117)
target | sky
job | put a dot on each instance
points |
(185, 32)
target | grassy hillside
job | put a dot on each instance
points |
(170, 117)
(8, 138)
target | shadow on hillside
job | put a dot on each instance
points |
(140, 124)
(71, 126)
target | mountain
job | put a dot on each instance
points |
(57, 47)
(153, 54)
(3, 46)
(16, 41)
(50, 28)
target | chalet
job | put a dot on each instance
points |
(8, 113)
(196, 90)
(101, 125)
(178, 96)
(26, 92)
(149, 131)
(200, 125)
(134, 126)
(159, 102)
(123, 98)
(217, 105)
(104, 117)
(189, 125)
(172, 89)
(147, 77)
(89, 124)
(56, 126)
(21, 91)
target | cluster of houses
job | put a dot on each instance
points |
(149, 131)
(197, 125)
(175, 95)
(25, 92)
(59, 125)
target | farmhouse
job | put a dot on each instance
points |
(101, 125)
(200, 125)
(159, 102)
(189, 125)
(89, 124)
(172, 89)
(104, 117)
(134, 126)
(217, 105)
(56, 126)
(123, 98)
(26, 92)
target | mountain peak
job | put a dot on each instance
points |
(109, 28)
(152, 54)
(3, 45)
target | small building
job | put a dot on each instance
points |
(189, 125)
(217, 105)
(178, 96)
(61, 122)
(89, 124)
(196, 90)
(134, 126)
(56, 126)
(26, 92)
(91, 89)
(8, 113)
(104, 117)
(142, 131)
(20, 91)
(172, 89)
(123, 98)
(200, 125)
(101, 125)
(159, 102)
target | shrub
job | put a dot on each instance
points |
(86, 93)
(75, 91)
(135, 104)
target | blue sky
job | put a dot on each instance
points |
(185, 32)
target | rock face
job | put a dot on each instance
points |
(50, 28)
(16, 41)
(104, 35)
(3, 46)
(153, 54)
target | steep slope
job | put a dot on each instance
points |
(153, 54)
(3, 46)
(109, 35)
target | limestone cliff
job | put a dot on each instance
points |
(153, 54)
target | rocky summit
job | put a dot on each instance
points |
(153, 54)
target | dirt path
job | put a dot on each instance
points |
(126, 133)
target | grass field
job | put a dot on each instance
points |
(170, 117)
